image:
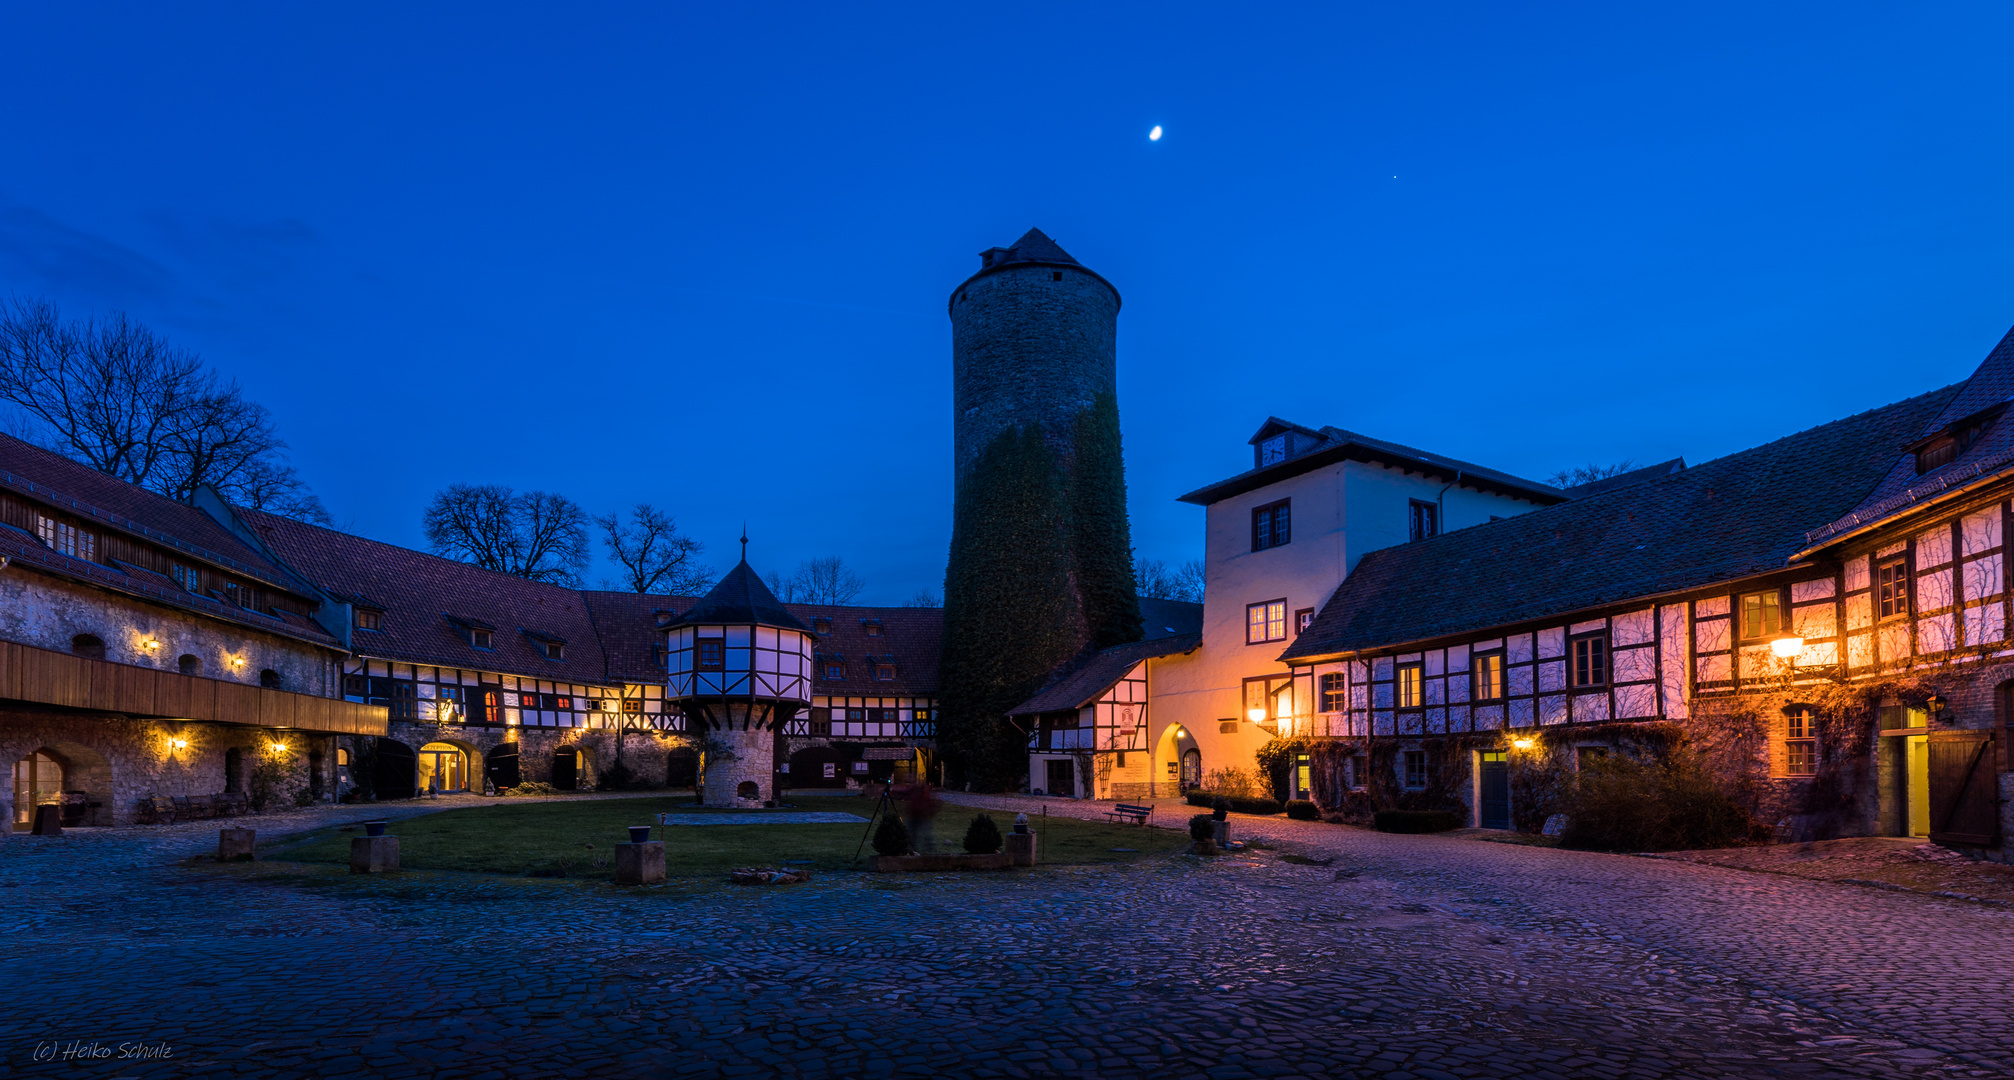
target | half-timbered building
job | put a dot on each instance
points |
(1822, 618)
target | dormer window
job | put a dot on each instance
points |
(555, 650)
(871, 626)
(237, 594)
(187, 577)
(1273, 451)
(368, 619)
(884, 673)
(1944, 447)
(821, 625)
(483, 639)
(66, 538)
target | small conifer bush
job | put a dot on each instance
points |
(1202, 827)
(982, 837)
(892, 837)
(1303, 810)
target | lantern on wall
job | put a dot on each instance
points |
(739, 665)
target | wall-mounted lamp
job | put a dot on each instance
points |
(150, 643)
(279, 747)
(179, 744)
(237, 661)
(1787, 646)
(1522, 744)
(1255, 715)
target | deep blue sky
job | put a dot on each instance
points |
(699, 255)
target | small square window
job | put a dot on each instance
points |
(366, 619)
(482, 639)
(1761, 614)
(555, 650)
(884, 672)
(1272, 525)
(1416, 769)
(1332, 692)
(711, 655)
(835, 672)
(1265, 622)
(871, 626)
(821, 625)
(1055, 275)
(1425, 520)
(1303, 619)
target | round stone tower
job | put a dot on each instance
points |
(1033, 341)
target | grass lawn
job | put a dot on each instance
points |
(552, 839)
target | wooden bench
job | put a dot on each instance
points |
(1128, 812)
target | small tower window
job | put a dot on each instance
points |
(712, 654)
(1055, 275)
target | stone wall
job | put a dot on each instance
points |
(644, 753)
(1029, 349)
(750, 758)
(48, 612)
(118, 761)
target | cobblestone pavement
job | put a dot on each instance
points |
(1404, 957)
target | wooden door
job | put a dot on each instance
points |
(565, 771)
(1494, 809)
(394, 770)
(1061, 778)
(1964, 805)
(500, 765)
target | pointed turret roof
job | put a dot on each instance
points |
(1035, 246)
(740, 598)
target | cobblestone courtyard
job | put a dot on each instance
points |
(1407, 956)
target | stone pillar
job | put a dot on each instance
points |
(236, 845)
(640, 864)
(1021, 848)
(374, 854)
(753, 761)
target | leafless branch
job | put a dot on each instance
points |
(537, 534)
(654, 555)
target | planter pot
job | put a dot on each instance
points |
(639, 834)
(375, 828)
(1205, 847)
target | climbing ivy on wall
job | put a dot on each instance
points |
(1009, 614)
(1101, 535)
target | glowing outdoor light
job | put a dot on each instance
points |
(1786, 646)
(1255, 715)
(237, 661)
(279, 748)
(149, 643)
(1522, 744)
(179, 744)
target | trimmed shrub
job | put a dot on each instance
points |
(1617, 804)
(982, 837)
(1303, 810)
(532, 787)
(1202, 827)
(1234, 782)
(891, 837)
(1238, 803)
(1415, 821)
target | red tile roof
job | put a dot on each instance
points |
(419, 592)
(913, 636)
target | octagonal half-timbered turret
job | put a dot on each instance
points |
(740, 666)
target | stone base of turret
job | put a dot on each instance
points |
(740, 768)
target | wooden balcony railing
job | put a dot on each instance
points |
(47, 677)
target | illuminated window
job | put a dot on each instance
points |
(1761, 614)
(871, 626)
(884, 672)
(835, 671)
(1266, 622)
(1406, 689)
(712, 654)
(66, 538)
(1800, 742)
(1269, 698)
(1272, 525)
(1891, 588)
(821, 625)
(366, 619)
(1590, 660)
(1486, 677)
(1332, 692)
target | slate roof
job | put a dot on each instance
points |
(1339, 445)
(1033, 249)
(1088, 681)
(1901, 489)
(740, 597)
(629, 627)
(112, 503)
(1167, 618)
(420, 592)
(1738, 516)
(1623, 480)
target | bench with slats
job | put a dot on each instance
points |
(1130, 813)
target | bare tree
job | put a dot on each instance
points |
(817, 581)
(925, 597)
(655, 557)
(534, 534)
(116, 396)
(1589, 473)
(1153, 578)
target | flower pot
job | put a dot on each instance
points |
(375, 828)
(639, 834)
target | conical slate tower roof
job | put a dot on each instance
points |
(742, 598)
(1035, 246)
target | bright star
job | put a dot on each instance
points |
(1154, 135)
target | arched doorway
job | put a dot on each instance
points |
(817, 766)
(1192, 768)
(500, 765)
(38, 780)
(394, 770)
(234, 771)
(441, 767)
(566, 768)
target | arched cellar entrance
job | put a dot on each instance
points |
(441, 767)
(394, 770)
(66, 774)
(500, 766)
(567, 768)
(38, 780)
(817, 767)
